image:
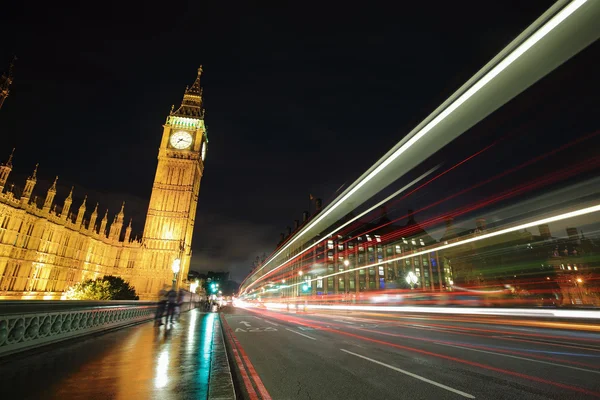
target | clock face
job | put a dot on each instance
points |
(203, 150)
(181, 140)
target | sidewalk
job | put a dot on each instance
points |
(186, 360)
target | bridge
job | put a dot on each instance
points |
(325, 315)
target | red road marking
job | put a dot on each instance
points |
(237, 347)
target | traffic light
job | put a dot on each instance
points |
(305, 288)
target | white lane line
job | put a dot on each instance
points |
(467, 395)
(590, 347)
(269, 322)
(519, 358)
(344, 322)
(301, 334)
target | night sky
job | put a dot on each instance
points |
(300, 99)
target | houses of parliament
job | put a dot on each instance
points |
(46, 247)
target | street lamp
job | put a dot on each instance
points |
(300, 273)
(346, 263)
(193, 288)
(175, 267)
(411, 279)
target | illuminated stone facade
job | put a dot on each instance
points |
(44, 251)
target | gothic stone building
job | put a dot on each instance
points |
(44, 251)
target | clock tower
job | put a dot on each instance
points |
(172, 210)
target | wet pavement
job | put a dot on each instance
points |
(140, 362)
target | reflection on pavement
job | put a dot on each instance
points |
(141, 362)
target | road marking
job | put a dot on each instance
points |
(575, 346)
(520, 339)
(520, 358)
(267, 329)
(305, 328)
(245, 323)
(467, 395)
(269, 322)
(344, 322)
(301, 334)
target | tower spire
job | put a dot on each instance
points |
(128, 231)
(67, 205)
(81, 212)
(34, 174)
(9, 162)
(50, 196)
(191, 106)
(29, 184)
(6, 81)
(93, 217)
(5, 170)
(103, 224)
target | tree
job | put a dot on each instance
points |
(108, 288)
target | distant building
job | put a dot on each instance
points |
(535, 267)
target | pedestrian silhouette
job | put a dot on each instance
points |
(171, 304)
(162, 305)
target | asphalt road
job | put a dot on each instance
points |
(393, 356)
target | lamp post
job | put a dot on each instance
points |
(193, 288)
(578, 283)
(175, 267)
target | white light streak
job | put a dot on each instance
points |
(560, 217)
(501, 66)
(349, 222)
(507, 312)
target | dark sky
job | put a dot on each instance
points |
(300, 98)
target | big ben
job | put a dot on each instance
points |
(171, 214)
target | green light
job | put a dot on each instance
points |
(305, 287)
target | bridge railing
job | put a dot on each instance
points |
(26, 325)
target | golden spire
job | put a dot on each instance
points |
(33, 176)
(53, 187)
(192, 100)
(70, 196)
(83, 202)
(122, 209)
(95, 209)
(9, 162)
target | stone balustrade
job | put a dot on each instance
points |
(26, 325)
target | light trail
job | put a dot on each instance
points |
(505, 312)
(560, 217)
(541, 63)
(396, 193)
(406, 232)
(320, 326)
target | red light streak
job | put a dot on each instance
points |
(425, 352)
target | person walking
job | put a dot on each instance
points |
(160, 308)
(171, 304)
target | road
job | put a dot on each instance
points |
(364, 355)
